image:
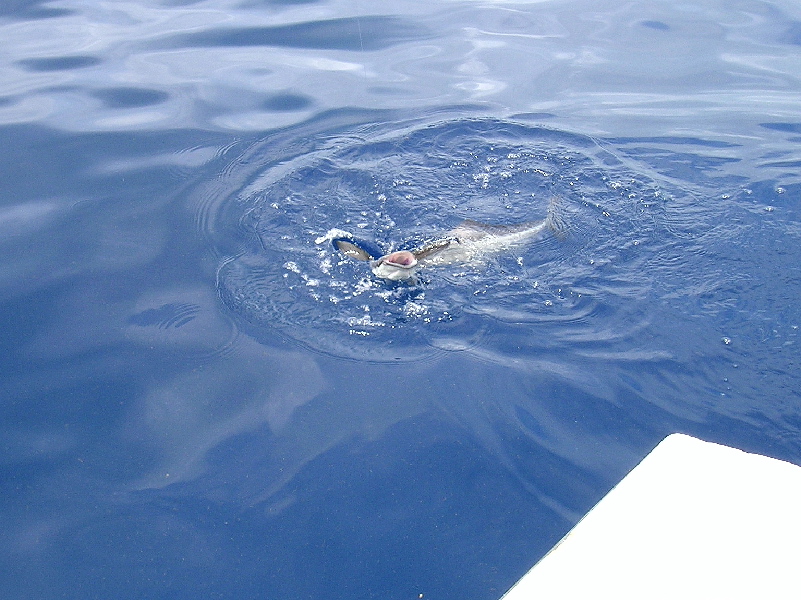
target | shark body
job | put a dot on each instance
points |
(465, 244)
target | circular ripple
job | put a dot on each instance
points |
(397, 187)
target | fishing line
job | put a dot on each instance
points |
(359, 27)
(361, 46)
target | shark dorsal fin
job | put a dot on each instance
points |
(432, 248)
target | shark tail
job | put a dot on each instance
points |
(556, 219)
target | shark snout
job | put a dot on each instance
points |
(402, 258)
(395, 266)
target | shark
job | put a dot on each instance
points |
(468, 243)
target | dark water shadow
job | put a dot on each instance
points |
(287, 102)
(59, 63)
(657, 25)
(784, 127)
(29, 10)
(130, 97)
(792, 34)
(352, 33)
(273, 3)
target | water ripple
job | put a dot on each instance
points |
(399, 186)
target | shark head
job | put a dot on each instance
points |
(397, 266)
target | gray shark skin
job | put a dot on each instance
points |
(468, 243)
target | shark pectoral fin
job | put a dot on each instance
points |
(352, 250)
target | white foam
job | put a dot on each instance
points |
(331, 235)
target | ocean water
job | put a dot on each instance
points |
(202, 398)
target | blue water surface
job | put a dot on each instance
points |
(202, 398)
